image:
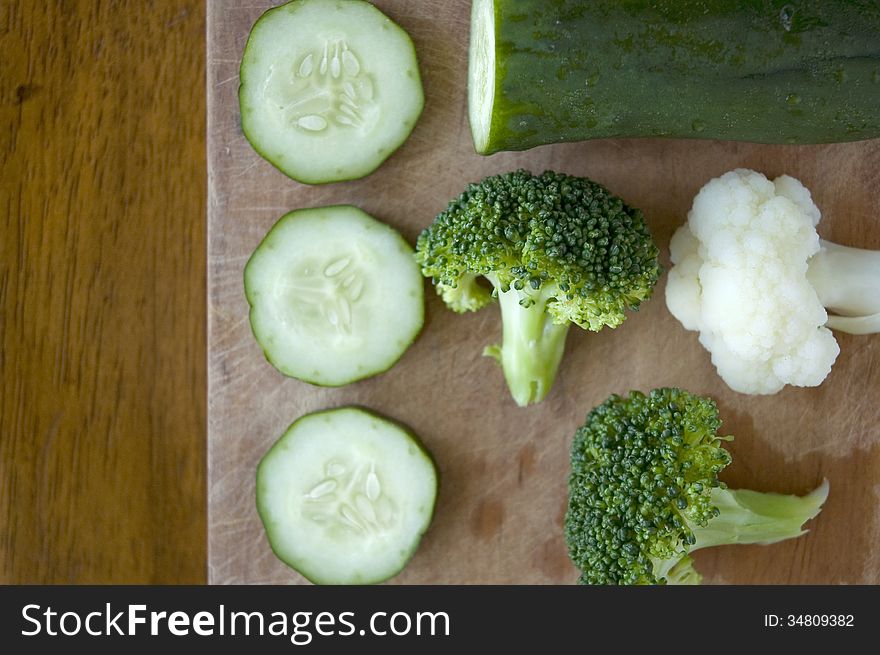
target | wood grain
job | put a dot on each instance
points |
(102, 292)
(504, 469)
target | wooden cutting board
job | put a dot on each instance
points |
(504, 469)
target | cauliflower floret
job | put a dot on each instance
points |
(684, 275)
(739, 278)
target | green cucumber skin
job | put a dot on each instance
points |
(569, 70)
(261, 488)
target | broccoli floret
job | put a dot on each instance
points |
(644, 492)
(556, 249)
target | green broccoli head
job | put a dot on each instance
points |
(644, 492)
(557, 249)
(590, 254)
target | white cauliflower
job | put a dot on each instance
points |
(751, 275)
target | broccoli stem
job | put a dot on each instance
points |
(683, 572)
(532, 345)
(847, 281)
(753, 517)
(747, 517)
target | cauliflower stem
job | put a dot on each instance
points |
(847, 281)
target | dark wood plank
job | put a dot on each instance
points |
(102, 292)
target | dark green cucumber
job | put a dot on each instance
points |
(767, 71)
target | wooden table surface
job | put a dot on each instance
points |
(102, 303)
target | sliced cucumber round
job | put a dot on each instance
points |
(335, 295)
(329, 89)
(345, 496)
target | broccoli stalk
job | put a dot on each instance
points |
(847, 281)
(557, 249)
(677, 571)
(745, 517)
(644, 492)
(532, 344)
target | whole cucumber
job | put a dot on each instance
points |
(767, 71)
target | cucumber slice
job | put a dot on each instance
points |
(329, 89)
(335, 295)
(345, 496)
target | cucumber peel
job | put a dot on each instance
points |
(774, 71)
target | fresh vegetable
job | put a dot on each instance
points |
(329, 89)
(345, 496)
(557, 250)
(752, 276)
(644, 492)
(780, 71)
(334, 295)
